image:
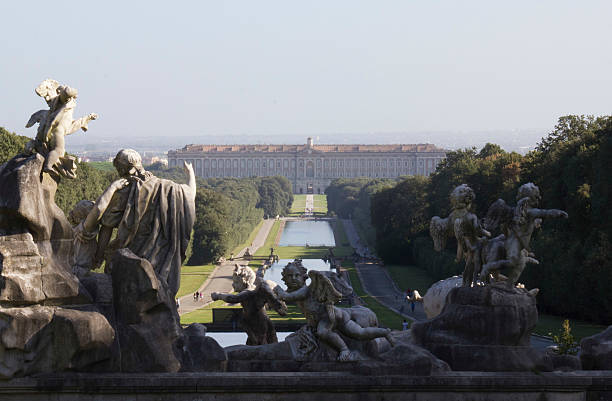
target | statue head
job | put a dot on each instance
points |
(128, 163)
(48, 90)
(243, 278)
(80, 211)
(530, 191)
(294, 276)
(462, 197)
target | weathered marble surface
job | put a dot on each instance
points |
(484, 328)
(596, 351)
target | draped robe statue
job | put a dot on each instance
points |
(153, 216)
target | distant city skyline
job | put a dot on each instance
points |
(273, 68)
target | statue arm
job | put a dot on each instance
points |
(296, 295)
(191, 180)
(80, 123)
(102, 204)
(231, 298)
(546, 213)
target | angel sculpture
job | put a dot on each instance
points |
(254, 294)
(53, 125)
(511, 248)
(317, 304)
(465, 227)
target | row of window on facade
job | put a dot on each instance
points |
(333, 163)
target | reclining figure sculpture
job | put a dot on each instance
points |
(325, 319)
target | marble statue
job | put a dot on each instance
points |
(316, 302)
(153, 217)
(511, 248)
(465, 227)
(54, 124)
(85, 218)
(255, 295)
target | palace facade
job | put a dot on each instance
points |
(310, 168)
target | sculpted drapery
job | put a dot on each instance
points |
(154, 218)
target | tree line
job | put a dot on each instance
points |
(570, 167)
(227, 209)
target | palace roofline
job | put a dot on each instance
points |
(341, 148)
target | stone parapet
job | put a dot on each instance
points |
(319, 386)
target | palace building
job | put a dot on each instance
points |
(309, 167)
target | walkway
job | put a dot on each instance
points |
(220, 280)
(377, 282)
(309, 209)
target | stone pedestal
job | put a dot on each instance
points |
(484, 328)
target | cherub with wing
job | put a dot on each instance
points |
(465, 227)
(54, 124)
(317, 304)
(254, 294)
(511, 248)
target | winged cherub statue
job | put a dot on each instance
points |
(317, 304)
(54, 124)
(465, 227)
(254, 294)
(511, 248)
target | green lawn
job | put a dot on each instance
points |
(552, 324)
(192, 277)
(320, 204)
(269, 243)
(410, 277)
(298, 205)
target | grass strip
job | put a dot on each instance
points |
(192, 277)
(264, 250)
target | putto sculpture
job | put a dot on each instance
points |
(317, 303)
(54, 124)
(254, 294)
(511, 248)
(465, 227)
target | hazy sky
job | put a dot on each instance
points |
(309, 67)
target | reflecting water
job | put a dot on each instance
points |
(225, 339)
(274, 272)
(313, 233)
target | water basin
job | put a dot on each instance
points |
(274, 272)
(225, 339)
(309, 232)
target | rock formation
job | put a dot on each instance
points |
(596, 351)
(484, 328)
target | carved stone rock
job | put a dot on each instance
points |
(435, 297)
(44, 339)
(596, 351)
(27, 202)
(201, 353)
(147, 321)
(484, 328)
(148, 325)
